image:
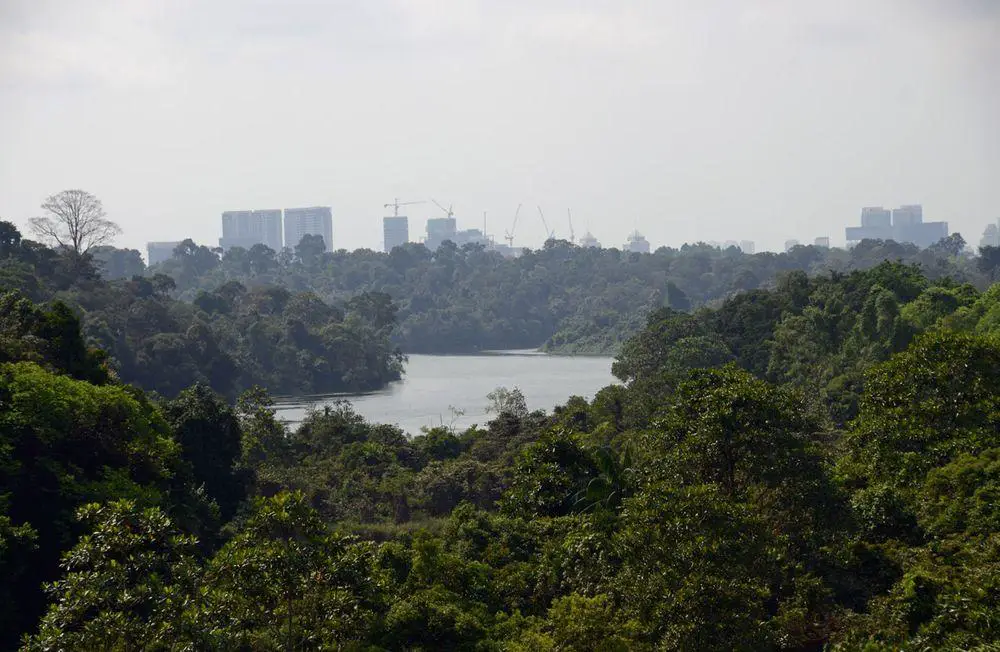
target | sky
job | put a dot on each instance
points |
(691, 121)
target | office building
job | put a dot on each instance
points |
(906, 224)
(395, 232)
(747, 246)
(471, 236)
(791, 244)
(876, 217)
(907, 215)
(822, 242)
(315, 220)
(637, 243)
(588, 241)
(991, 236)
(158, 252)
(440, 229)
(504, 250)
(247, 228)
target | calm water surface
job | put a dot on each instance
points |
(435, 384)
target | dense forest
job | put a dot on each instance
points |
(811, 465)
(231, 338)
(562, 298)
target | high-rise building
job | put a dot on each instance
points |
(791, 244)
(395, 232)
(470, 236)
(747, 246)
(876, 216)
(991, 236)
(158, 252)
(637, 243)
(907, 215)
(440, 229)
(588, 241)
(315, 220)
(906, 225)
(822, 242)
(247, 228)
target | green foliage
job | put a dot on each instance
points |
(64, 443)
(812, 465)
(286, 582)
(550, 477)
(126, 584)
(50, 337)
(229, 337)
(564, 298)
(209, 434)
(926, 406)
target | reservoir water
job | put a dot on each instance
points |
(451, 389)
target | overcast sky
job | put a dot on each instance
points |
(695, 120)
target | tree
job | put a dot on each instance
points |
(10, 239)
(310, 249)
(126, 584)
(75, 220)
(989, 259)
(210, 438)
(118, 263)
(63, 443)
(284, 581)
(505, 401)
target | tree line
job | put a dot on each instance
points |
(812, 465)
(563, 298)
(230, 338)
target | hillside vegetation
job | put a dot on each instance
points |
(815, 465)
(562, 298)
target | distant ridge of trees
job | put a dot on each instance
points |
(564, 298)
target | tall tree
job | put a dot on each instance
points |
(75, 220)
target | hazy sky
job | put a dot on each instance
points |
(694, 120)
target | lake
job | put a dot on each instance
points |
(436, 387)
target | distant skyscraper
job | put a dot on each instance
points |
(907, 215)
(637, 243)
(747, 246)
(791, 244)
(906, 224)
(247, 228)
(158, 252)
(991, 236)
(440, 229)
(822, 242)
(315, 220)
(876, 216)
(470, 236)
(395, 232)
(588, 241)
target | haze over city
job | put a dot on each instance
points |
(689, 121)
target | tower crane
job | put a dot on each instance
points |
(446, 210)
(572, 236)
(549, 235)
(509, 235)
(396, 204)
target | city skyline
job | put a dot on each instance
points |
(876, 222)
(686, 121)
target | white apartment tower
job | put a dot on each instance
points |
(247, 228)
(315, 220)
(395, 232)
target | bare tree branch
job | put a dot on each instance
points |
(74, 220)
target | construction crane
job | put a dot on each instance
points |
(549, 235)
(572, 235)
(509, 235)
(446, 210)
(396, 204)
